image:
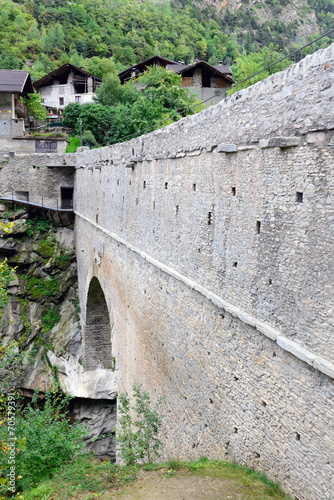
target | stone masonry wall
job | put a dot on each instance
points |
(212, 241)
(41, 175)
(217, 268)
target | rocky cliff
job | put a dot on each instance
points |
(43, 316)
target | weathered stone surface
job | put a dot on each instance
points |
(226, 148)
(280, 142)
(296, 349)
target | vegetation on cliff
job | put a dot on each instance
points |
(45, 271)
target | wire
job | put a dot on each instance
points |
(141, 132)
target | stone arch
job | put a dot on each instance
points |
(97, 333)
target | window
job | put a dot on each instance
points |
(61, 101)
(78, 99)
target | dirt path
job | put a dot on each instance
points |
(156, 485)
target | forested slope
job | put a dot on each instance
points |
(44, 34)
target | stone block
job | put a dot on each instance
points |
(227, 148)
(324, 366)
(267, 330)
(280, 142)
(296, 349)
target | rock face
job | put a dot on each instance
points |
(43, 316)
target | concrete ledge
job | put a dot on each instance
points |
(266, 329)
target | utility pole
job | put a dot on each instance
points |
(81, 133)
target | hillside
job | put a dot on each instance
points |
(43, 34)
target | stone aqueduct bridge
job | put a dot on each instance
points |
(205, 258)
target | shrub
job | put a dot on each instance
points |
(138, 440)
(88, 139)
(45, 440)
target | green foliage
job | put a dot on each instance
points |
(46, 439)
(88, 139)
(38, 288)
(50, 319)
(111, 92)
(97, 119)
(43, 225)
(86, 478)
(46, 247)
(71, 114)
(11, 367)
(35, 107)
(122, 110)
(48, 34)
(74, 143)
(100, 66)
(248, 65)
(138, 439)
(7, 275)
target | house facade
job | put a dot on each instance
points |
(208, 83)
(66, 85)
(13, 85)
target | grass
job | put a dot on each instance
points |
(88, 478)
(85, 478)
(231, 470)
(74, 143)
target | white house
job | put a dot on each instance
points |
(66, 85)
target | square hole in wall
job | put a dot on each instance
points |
(209, 218)
(234, 191)
(299, 197)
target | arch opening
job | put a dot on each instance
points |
(97, 332)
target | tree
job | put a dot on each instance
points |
(100, 66)
(71, 114)
(246, 66)
(96, 118)
(163, 89)
(112, 92)
(35, 107)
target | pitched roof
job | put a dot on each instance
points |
(142, 65)
(15, 81)
(62, 73)
(220, 71)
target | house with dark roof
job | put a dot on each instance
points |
(139, 68)
(13, 85)
(209, 83)
(65, 85)
(13, 136)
